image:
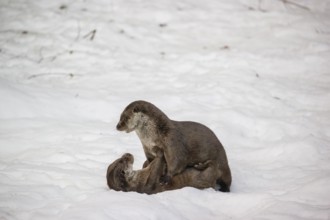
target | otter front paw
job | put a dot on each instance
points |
(165, 180)
(145, 164)
(202, 166)
(158, 151)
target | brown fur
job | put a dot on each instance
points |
(184, 143)
(121, 177)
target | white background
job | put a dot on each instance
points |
(257, 72)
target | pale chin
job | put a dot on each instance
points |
(130, 130)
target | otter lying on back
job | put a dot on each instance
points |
(184, 143)
(121, 176)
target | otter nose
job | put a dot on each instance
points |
(118, 126)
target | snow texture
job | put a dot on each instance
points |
(257, 72)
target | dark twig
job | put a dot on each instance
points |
(71, 75)
(295, 4)
(78, 31)
(91, 35)
(259, 7)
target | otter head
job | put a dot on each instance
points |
(132, 116)
(118, 171)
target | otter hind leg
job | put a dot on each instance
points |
(223, 187)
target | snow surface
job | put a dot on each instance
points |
(257, 72)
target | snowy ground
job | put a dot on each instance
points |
(255, 71)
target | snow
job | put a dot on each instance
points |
(257, 72)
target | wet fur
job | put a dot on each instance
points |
(121, 177)
(184, 143)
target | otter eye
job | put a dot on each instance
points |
(124, 118)
(122, 172)
(136, 109)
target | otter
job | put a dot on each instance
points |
(121, 177)
(184, 143)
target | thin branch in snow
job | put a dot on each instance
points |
(259, 7)
(71, 75)
(41, 55)
(12, 56)
(91, 35)
(78, 31)
(296, 4)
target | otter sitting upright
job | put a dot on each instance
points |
(185, 143)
